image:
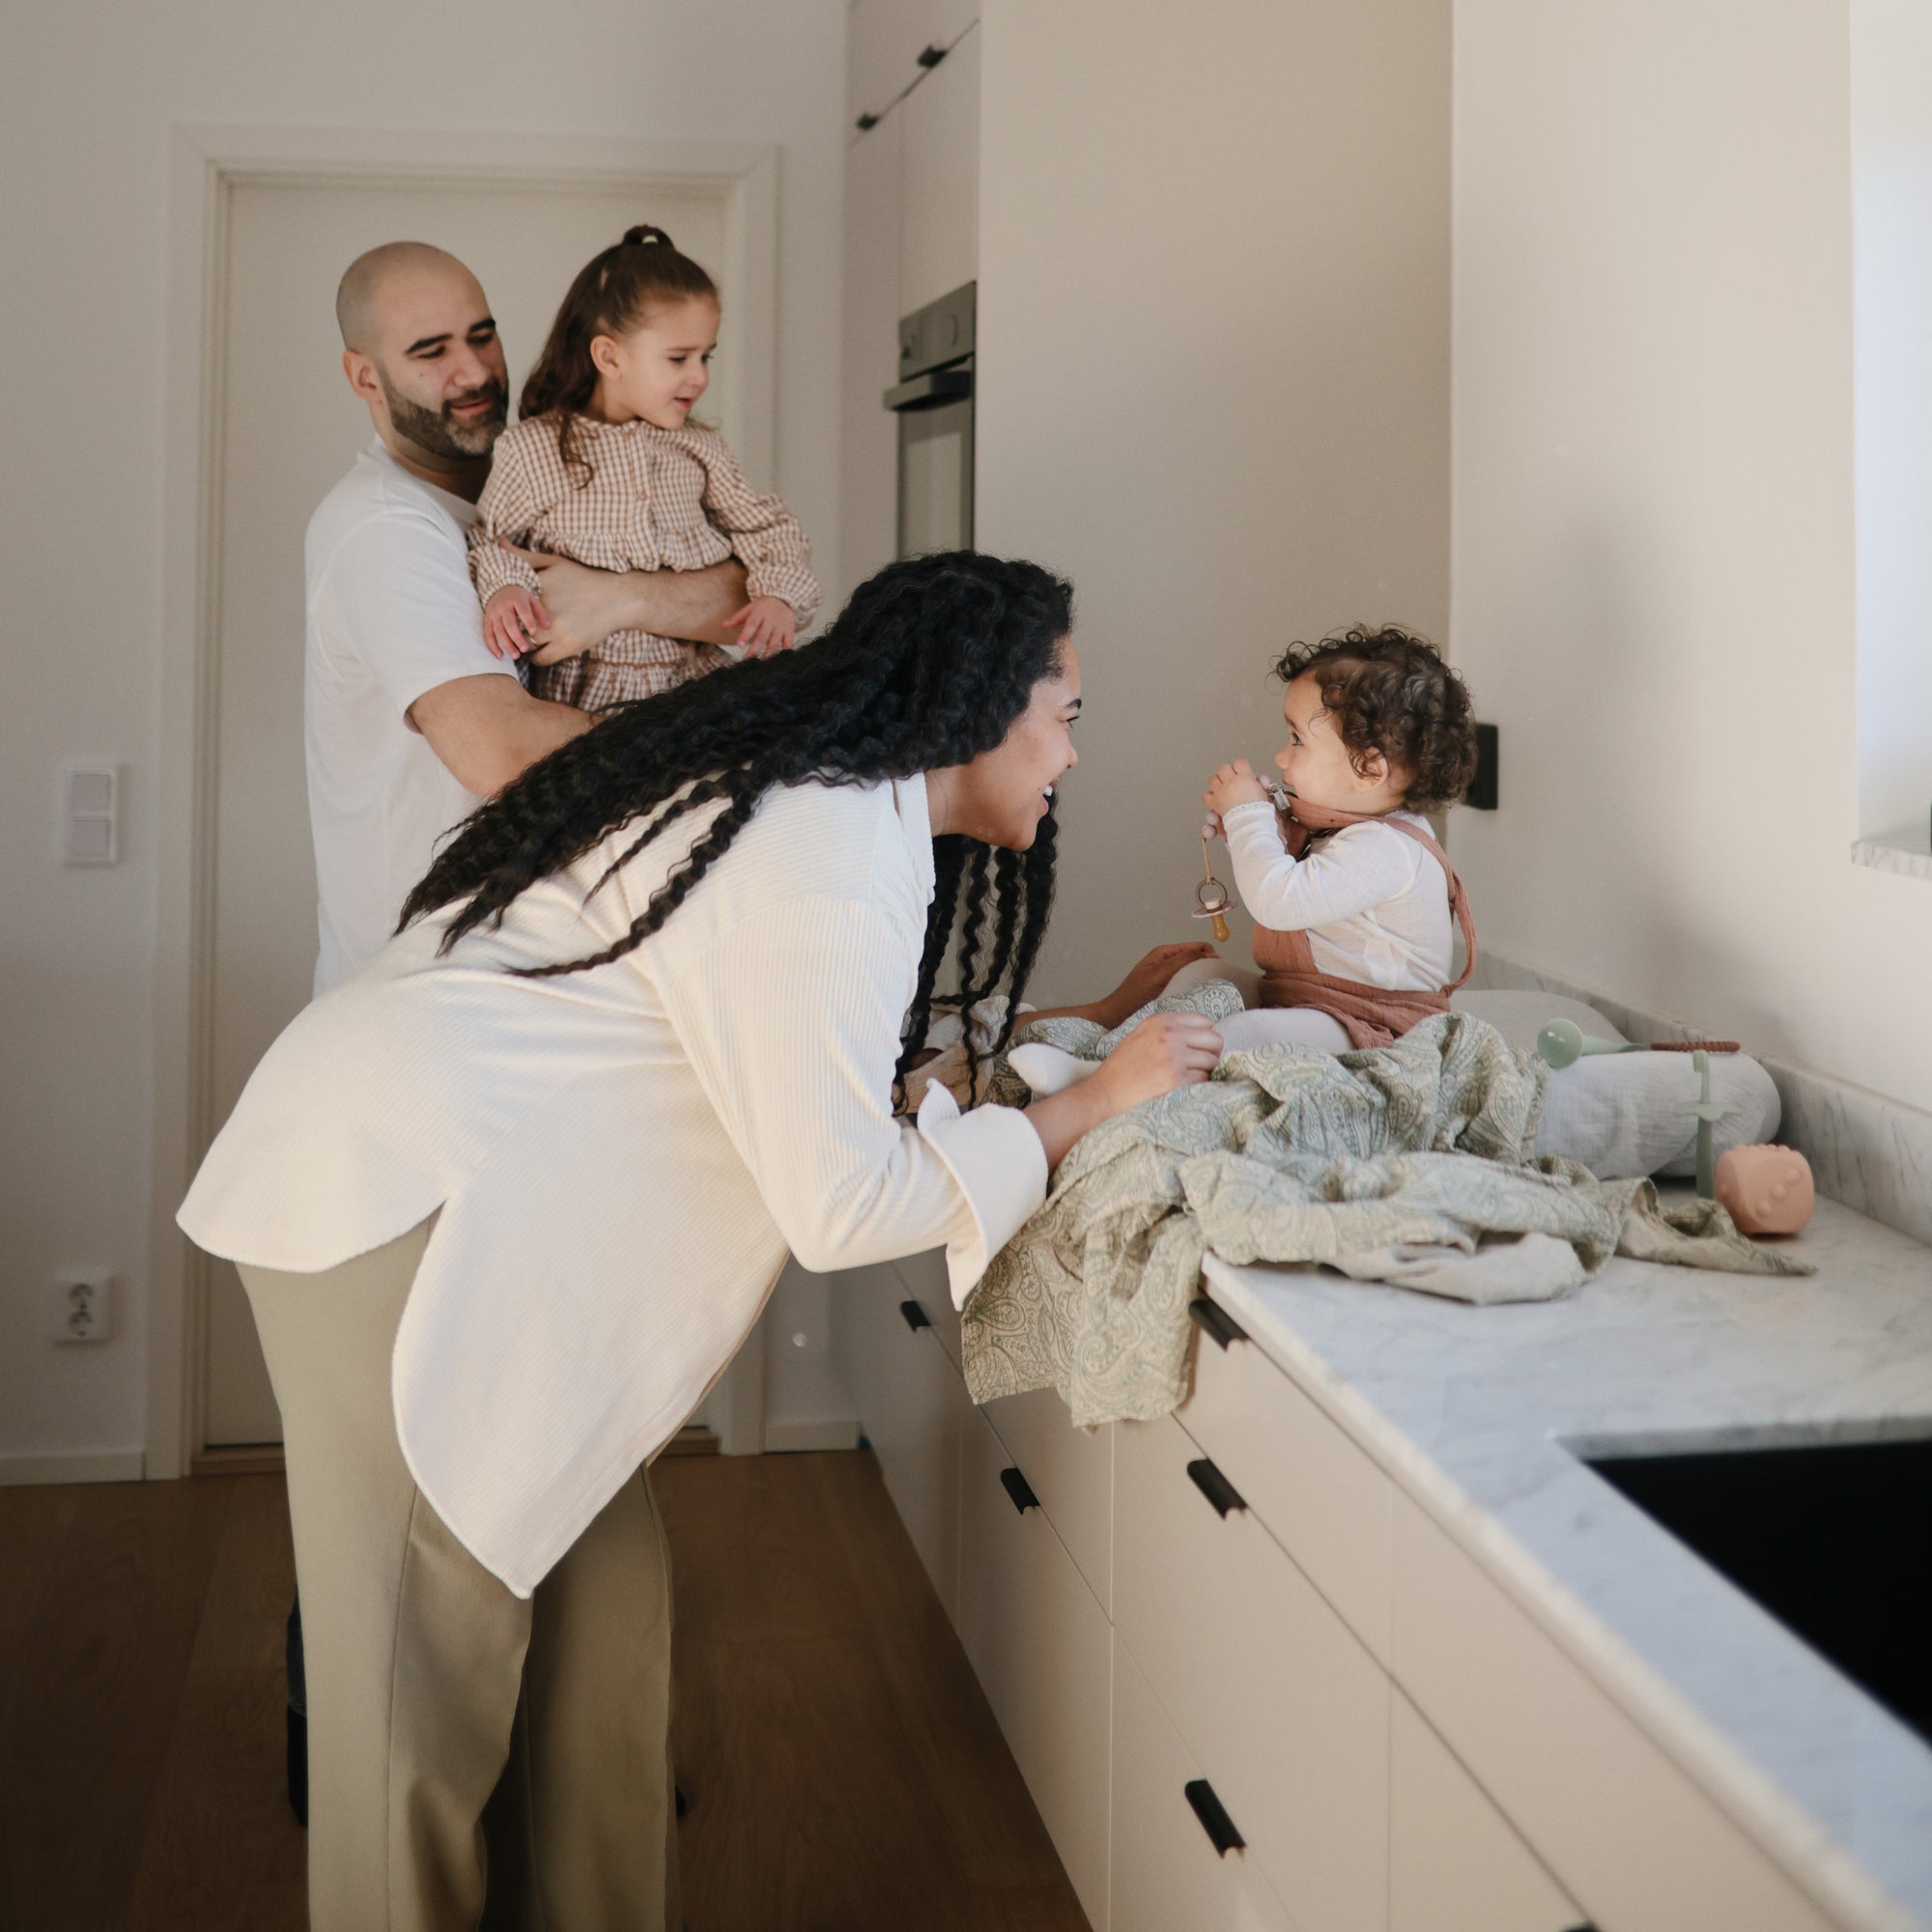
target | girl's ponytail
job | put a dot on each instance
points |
(611, 296)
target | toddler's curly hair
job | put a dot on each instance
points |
(1389, 691)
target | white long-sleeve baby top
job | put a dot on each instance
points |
(1374, 903)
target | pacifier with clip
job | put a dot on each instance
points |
(1211, 898)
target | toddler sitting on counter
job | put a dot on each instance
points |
(1355, 902)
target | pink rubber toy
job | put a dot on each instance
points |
(1765, 1190)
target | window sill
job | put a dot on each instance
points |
(1908, 853)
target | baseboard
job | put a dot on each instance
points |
(783, 1436)
(245, 1458)
(73, 1466)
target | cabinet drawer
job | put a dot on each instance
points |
(911, 1405)
(1626, 1832)
(1040, 1641)
(925, 1282)
(1167, 1874)
(1321, 1496)
(1071, 1472)
(1284, 1709)
(1454, 1863)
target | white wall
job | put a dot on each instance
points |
(1214, 385)
(1653, 512)
(1891, 175)
(91, 91)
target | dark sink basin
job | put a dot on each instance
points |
(1834, 1541)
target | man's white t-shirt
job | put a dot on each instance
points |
(391, 614)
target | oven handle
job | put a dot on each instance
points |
(930, 390)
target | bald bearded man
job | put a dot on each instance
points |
(408, 719)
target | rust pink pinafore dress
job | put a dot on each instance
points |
(1373, 1015)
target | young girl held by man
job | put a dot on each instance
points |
(608, 467)
(1354, 903)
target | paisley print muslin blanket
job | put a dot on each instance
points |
(1403, 1163)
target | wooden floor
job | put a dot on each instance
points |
(843, 1769)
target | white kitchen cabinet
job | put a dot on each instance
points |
(882, 47)
(926, 1282)
(1071, 1472)
(1133, 1637)
(939, 204)
(868, 361)
(912, 234)
(912, 1406)
(1040, 1643)
(1167, 1873)
(1321, 1496)
(1625, 1831)
(884, 39)
(1455, 1862)
(1267, 1687)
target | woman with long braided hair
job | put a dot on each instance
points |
(506, 1201)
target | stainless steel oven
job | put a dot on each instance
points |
(933, 400)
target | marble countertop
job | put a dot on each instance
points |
(1481, 1414)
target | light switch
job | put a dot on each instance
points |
(90, 815)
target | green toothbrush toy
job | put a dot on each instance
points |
(1563, 1043)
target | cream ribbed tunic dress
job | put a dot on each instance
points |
(622, 1156)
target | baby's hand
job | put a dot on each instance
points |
(770, 626)
(511, 621)
(1231, 785)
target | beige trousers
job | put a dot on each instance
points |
(462, 1741)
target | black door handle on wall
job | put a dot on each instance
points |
(1017, 1487)
(1216, 1320)
(1213, 1816)
(1216, 1487)
(915, 1317)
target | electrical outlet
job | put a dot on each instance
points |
(80, 1308)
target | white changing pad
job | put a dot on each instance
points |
(1614, 1111)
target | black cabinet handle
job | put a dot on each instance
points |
(1216, 1487)
(915, 1317)
(1019, 1490)
(1213, 1816)
(1214, 1319)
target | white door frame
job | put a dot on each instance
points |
(206, 166)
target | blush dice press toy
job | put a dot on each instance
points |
(1765, 1190)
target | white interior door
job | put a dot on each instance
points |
(289, 427)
